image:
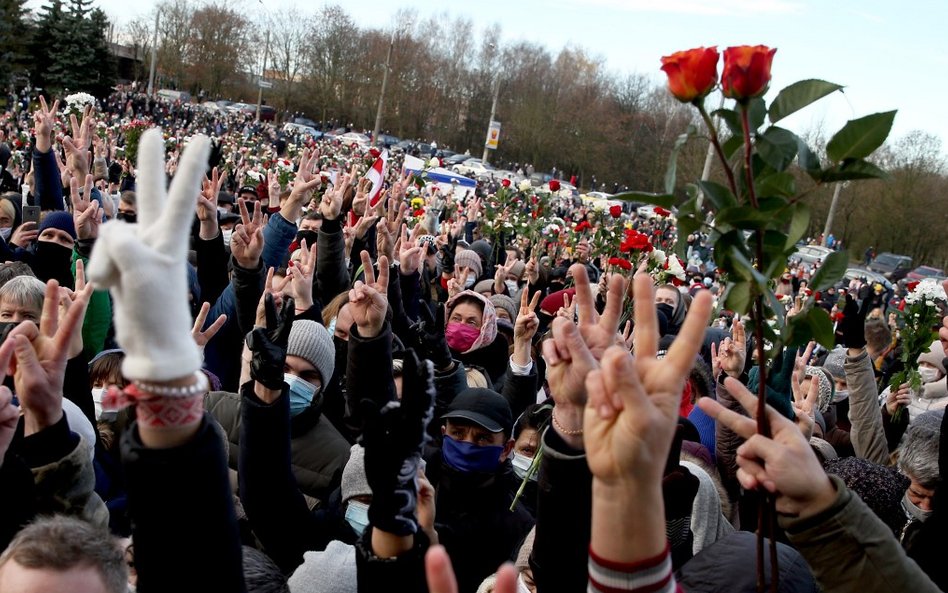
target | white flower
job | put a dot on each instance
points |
(525, 185)
(927, 291)
(434, 162)
(79, 100)
(658, 255)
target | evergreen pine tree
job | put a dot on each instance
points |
(14, 40)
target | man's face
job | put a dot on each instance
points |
(666, 296)
(310, 225)
(127, 208)
(57, 236)
(14, 313)
(295, 365)
(920, 495)
(15, 577)
(471, 432)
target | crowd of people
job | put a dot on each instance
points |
(234, 360)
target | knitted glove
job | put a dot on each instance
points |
(393, 439)
(269, 344)
(144, 265)
(430, 340)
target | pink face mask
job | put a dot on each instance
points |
(461, 336)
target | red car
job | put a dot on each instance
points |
(922, 272)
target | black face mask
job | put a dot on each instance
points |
(669, 312)
(129, 217)
(310, 236)
(342, 356)
(53, 261)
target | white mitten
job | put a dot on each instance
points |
(144, 265)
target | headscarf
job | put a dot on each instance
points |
(488, 318)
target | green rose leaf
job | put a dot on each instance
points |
(808, 160)
(777, 184)
(799, 224)
(860, 137)
(777, 147)
(798, 95)
(732, 119)
(719, 196)
(851, 170)
(814, 324)
(738, 297)
(831, 271)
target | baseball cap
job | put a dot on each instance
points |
(481, 406)
(247, 189)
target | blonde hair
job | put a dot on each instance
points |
(8, 209)
(475, 378)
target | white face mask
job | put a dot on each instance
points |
(471, 279)
(521, 465)
(929, 374)
(97, 393)
(226, 233)
(521, 585)
(512, 286)
(5, 233)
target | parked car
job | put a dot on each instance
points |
(853, 273)
(456, 159)
(171, 95)
(388, 141)
(472, 167)
(350, 137)
(891, 265)
(304, 121)
(922, 272)
(810, 254)
(301, 129)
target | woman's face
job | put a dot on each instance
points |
(467, 313)
(5, 220)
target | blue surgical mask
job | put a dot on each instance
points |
(468, 457)
(332, 326)
(357, 515)
(301, 393)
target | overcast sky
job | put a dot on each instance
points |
(888, 54)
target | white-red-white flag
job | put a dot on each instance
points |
(376, 174)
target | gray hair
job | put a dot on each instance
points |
(25, 291)
(918, 453)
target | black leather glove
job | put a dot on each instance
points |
(854, 321)
(447, 254)
(268, 345)
(429, 338)
(394, 434)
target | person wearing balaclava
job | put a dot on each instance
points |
(672, 306)
(53, 249)
(319, 451)
(475, 485)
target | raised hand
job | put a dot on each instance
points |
(532, 270)
(360, 201)
(9, 413)
(368, 301)
(300, 274)
(24, 235)
(44, 122)
(207, 203)
(385, 240)
(330, 206)
(145, 265)
(410, 253)
(441, 579)
(731, 355)
(598, 332)
(246, 243)
(77, 146)
(430, 340)
(268, 344)
(901, 397)
(527, 322)
(203, 336)
(784, 465)
(41, 356)
(86, 214)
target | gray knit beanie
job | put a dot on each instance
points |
(468, 259)
(502, 301)
(312, 342)
(354, 482)
(834, 363)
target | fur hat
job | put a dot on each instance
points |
(467, 258)
(312, 342)
(354, 483)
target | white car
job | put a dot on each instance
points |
(472, 167)
(350, 137)
(599, 194)
(300, 129)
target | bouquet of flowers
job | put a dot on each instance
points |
(922, 315)
(252, 177)
(133, 133)
(284, 170)
(76, 104)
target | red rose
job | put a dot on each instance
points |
(582, 226)
(635, 241)
(911, 286)
(621, 262)
(746, 71)
(375, 153)
(419, 212)
(554, 185)
(615, 211)
(692, 73)
(505, 183)
(659, 211)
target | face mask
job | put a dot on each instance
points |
(928, 374)
(129, 217)
(461, 336)
(332, 326)
(5, 233)
(301, 393)
(97, 401)
(310, 236)
(53, 262)
(357, 515)
(841, 394)
(471, 279)
(512, 286)
(521, 465)
(226, 233)
(521, 585)
(468, 457)
(666, 310)
(913, 511)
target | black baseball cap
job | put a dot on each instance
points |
(247, 189)
(482, 406)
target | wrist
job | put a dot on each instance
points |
(34, 422)
(266, 394)
(567, 421)
(823, 498)
(628, 520)
(209, 230)
(247, 263)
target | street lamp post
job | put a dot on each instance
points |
(263, 74)
(378, 112)
(154, 50)
(493, 112)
